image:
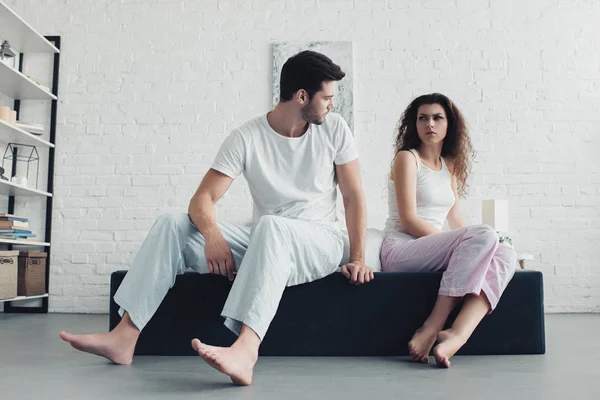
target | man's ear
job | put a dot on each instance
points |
(302, 96)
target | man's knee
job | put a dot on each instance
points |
(173, 220)
(268, 224)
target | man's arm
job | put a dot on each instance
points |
(356, 221)
(203, 214)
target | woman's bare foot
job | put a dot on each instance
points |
(108, 345)
(236, 361)
(449, 342)
(421, 343)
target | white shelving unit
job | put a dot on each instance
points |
(21, 298)
(21, 35)
(25, 242)
(12, 189)
(13, 134)
(17, 86)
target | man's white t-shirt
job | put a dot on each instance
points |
(289, 177)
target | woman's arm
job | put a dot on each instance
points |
(404, 173)
(455, 219)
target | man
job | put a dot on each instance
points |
(293, 157)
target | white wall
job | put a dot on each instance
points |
(149, 89)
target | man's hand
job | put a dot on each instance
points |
(219, 257)
(358, 273)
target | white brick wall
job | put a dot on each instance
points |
(149, 89)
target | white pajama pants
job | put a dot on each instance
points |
(273, 253)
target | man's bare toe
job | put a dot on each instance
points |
(232, 361)
(205, 353)
(104, 345)
(196, 344)
(65, 336)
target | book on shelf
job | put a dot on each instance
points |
(13, 230)
(19, 217)
(32, 240)
(13, 221)
(34, 80)
(16, 234)
(35, 129)
(13, 224)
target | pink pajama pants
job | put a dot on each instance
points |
(472, 260)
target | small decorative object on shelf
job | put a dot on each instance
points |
(495, 214)
(2, 174)
(35, 80)
(5, 113)
(524, 257)
(28, 157)
(8, 115)
(6, 53)
(505, 239)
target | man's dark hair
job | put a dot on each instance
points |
(307, 70)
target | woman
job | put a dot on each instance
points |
(432, 160)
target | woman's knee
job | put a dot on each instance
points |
(390, 256)
(484, 232)
(508, 255)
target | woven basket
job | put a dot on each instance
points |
(32, 273)
(8, 274)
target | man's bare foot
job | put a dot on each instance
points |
(421, 343)
(236, 361)
(108, 345)
(449, 342)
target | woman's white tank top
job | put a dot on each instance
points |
(435, 198)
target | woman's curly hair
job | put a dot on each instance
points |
(457, 145)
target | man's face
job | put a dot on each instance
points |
(320, 105)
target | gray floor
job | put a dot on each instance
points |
(35, 364)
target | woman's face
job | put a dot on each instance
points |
(432, 123)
